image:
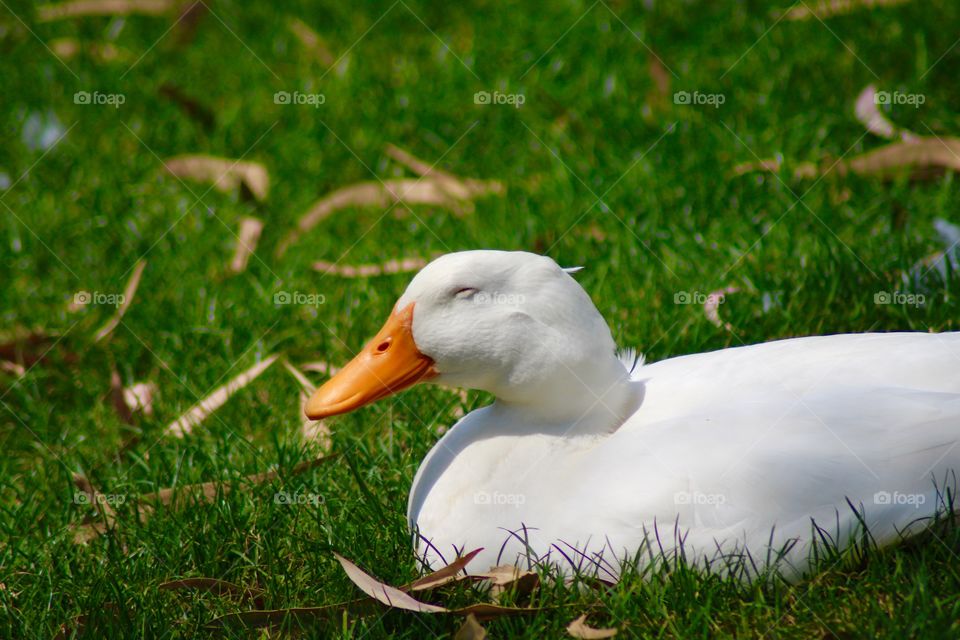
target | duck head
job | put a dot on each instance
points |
(513, 324)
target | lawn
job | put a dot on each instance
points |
(627, 156)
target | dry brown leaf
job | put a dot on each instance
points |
(81, 8)
(225, 174)
(250, 229)
(312, 430)
(107, 516)
(829, 8)
(320, 367)
(198, 413)
(580, 629)
(67, 48)
(921, 158)
(208, 491)
(711, 307)
(139, 397)
(13, 367)
(317, 431)
(471, 630)
(370, 194)
(204, 492)
(769, 164)
(299, 377)
(659, 95)
(390, 596)
(449, 573)
(507, 577)
(311, 41)
(218, 587)
(24, 346)
(190, 105)
(869, 115)
(390, 267)
(77, 625)
(459, 188)
(486, 611)
(434, 187)
(128, 292)
(118, 400)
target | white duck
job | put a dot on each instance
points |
(594, 460)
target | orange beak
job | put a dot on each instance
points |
(389, 363)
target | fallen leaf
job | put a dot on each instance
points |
(83, 8)
(867, 110)
(312, 430)
(225, 174)
(188, 21)
(77, 625)
(484, 611)
(471, 630)
(139, 397)
(660, 94)
(198, 413)
(67, 48)
(118, 400)
(311, 41)
(580, 629)
(769, 164)
(250, 229)
(390, 267)
(390, 596)
(190, 105)
(208, 491)
(217, 587)
(435, 187)
(920, 158)
(204, 492)
(508, 577)
(128, 292)
(107, 516)
(21, 346)
(711, 307)
(460, 188)
(444, 575)
(320, 367)
(829, 8)
(13, 367)
(370, 194)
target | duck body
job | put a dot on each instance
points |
(743, 458)
(739, 449)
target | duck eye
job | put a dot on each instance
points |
(464, 292)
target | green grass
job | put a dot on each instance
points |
(673, 217)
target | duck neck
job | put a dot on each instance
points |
(591, 397)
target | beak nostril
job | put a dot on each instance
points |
(383, 346)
